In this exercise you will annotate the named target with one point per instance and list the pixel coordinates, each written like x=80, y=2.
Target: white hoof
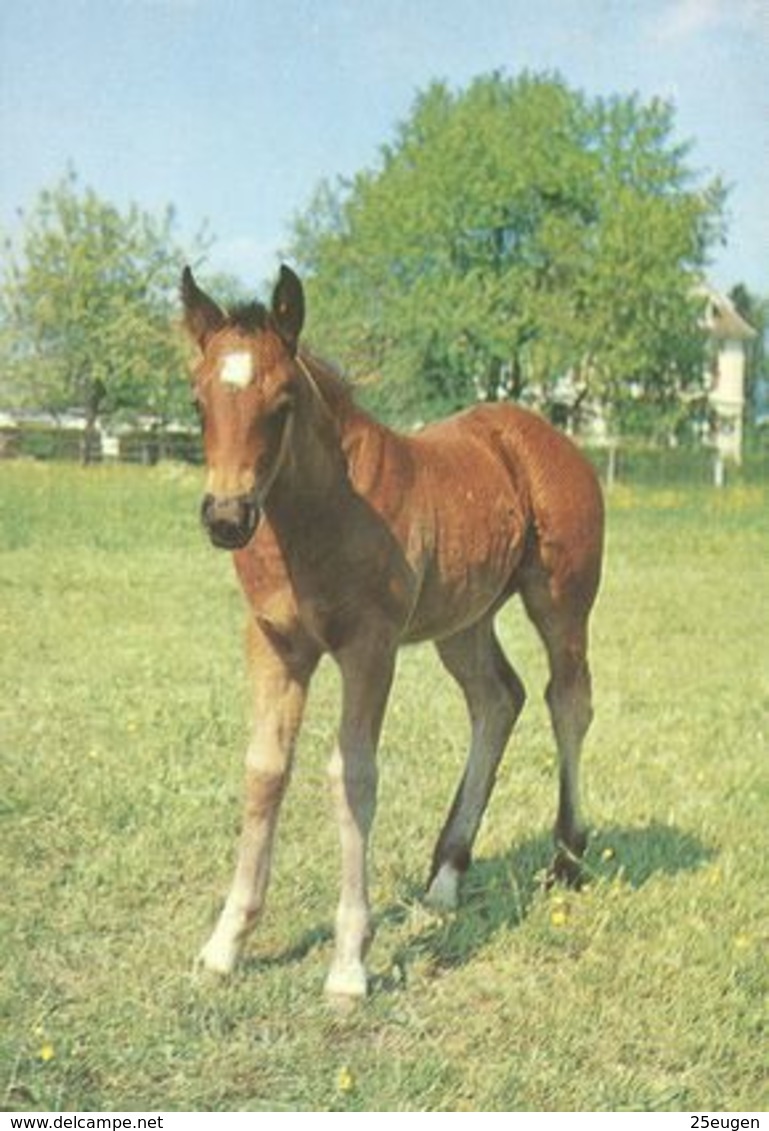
x=347, y=981
x=217, y=958
x=443, y=893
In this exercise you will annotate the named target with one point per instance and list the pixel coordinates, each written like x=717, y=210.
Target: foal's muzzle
x=230, y=522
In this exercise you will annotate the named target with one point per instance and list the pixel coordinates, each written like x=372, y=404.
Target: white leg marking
x=347, y=978
x=367, y=676
x=354, y=799
x=220, y=953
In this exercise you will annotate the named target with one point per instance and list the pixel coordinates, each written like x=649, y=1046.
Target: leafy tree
x=513, y=232
x=643, y=338
x=88, y=302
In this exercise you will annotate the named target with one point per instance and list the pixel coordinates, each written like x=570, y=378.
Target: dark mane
x=337, y=392
x=248, y=317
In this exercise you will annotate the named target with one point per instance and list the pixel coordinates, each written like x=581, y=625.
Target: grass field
x=123, y=720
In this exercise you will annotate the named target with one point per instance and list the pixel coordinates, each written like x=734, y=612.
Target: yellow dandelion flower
x=559, y=914
x=607, y=854
x=344, y=1080
x=47, y=1052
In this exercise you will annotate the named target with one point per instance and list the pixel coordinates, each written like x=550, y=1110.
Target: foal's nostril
x=230, y=522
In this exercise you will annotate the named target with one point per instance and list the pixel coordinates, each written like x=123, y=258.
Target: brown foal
x=351, y=539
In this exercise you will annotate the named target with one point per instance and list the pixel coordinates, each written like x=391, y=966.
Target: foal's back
x=480, y=503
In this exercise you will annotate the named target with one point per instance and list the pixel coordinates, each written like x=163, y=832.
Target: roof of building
x=722, y=318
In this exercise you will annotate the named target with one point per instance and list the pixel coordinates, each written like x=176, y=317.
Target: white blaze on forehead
x=237, y=369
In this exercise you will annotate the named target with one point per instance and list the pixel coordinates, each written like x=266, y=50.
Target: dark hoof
x=566, y=868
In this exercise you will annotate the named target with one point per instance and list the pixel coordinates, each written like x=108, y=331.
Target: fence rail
x=625, y=463
x=48, y=442
x=665, y=466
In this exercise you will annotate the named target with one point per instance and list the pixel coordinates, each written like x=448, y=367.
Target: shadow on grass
x=497, y=893
x=640, y=853
x=312, y=938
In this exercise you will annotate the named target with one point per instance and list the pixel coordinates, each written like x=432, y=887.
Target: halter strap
x=279, y=461
x=310, y=379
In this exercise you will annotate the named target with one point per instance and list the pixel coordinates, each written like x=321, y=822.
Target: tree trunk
x=89, y=444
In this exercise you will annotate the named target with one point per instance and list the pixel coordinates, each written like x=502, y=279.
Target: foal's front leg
x=367, y=673
x=280, y=682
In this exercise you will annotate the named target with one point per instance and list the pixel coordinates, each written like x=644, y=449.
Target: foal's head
x=246, y=382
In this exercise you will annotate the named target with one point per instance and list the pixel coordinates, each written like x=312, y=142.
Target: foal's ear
x=202, y=316
x=288, y=307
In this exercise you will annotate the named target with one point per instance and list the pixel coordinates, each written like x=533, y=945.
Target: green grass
x=123, y=718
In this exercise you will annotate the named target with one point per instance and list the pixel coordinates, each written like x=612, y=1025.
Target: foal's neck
x=314, y=477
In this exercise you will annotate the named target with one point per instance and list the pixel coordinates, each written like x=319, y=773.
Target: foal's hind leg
x=562, y=624
x=280, y=675
x=495, y=697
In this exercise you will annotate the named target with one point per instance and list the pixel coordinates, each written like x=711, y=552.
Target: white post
x=611, y=465
x=719, y=469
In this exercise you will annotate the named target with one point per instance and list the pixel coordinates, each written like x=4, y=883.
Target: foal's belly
x=463, y=580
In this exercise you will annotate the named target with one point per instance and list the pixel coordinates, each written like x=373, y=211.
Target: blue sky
x=233, y=110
